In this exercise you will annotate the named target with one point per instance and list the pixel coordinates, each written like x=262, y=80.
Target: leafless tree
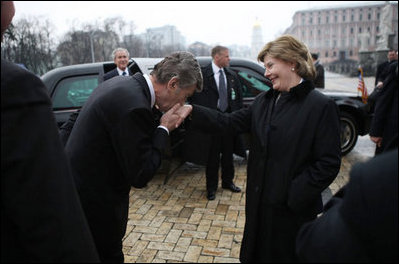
x=29, y=41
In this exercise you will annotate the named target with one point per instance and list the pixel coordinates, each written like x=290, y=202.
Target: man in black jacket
x=384, y=125
x=319, y=80
x=383, y=68
x=121, y=60
x=116, y=142
x=41, y=216
x=222, y=91
x=360, y=222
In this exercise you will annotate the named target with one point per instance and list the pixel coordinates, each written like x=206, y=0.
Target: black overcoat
x=197, y=144
x=360, y=222
x=294, y=153
x=41, y=216
x=115, y=144
x=385, y=120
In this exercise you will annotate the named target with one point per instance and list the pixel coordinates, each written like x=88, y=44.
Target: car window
x=252, y=83
x=74, y=92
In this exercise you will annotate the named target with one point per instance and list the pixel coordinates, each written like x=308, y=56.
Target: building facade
x=338, y=34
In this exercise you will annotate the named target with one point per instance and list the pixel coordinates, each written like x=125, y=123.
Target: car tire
x=349, y=133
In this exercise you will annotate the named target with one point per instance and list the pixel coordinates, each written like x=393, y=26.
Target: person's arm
x=139, y=146
x=212, y=121
x=323, y=164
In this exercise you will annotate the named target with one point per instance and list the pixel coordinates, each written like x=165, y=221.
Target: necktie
x=222, y=92
x=123, y=73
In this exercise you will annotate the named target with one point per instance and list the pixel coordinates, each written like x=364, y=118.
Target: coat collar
x=299, y=91
x=143, y=83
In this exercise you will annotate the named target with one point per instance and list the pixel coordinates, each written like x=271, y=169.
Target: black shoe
x=231, y=187
x=211, y=195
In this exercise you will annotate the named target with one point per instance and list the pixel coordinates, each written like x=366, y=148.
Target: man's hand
x=175, y=116
x=380, y=84
x=376, y=140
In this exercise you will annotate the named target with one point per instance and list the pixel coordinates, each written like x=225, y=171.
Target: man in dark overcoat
x=116, y=142
x=384, y=125
x=212, y=150
x=41, y=216
x=121, y=60
x=360, y=222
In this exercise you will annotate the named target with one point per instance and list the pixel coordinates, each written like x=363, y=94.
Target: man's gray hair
x=118, y=50
x=181, y=65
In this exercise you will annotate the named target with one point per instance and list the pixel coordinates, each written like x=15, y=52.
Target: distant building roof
x=348, y=5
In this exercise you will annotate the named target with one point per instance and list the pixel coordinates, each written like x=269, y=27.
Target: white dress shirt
x=120, y=71
x=152, y=92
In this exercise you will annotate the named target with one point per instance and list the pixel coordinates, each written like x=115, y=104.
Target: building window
x=352, y=17
x=378, y=16
x=343, y=18
x=360, y=17
x=319, y=20
x=369, y=16
x=334, y=54
x=327, y=19
x=368, y=29
x=351, y=30
x=377, y=29
x=326, y=55
x=351, y=53
x=360, y=30
x=335, y=18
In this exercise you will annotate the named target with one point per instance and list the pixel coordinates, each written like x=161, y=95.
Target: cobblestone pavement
x=174, y=222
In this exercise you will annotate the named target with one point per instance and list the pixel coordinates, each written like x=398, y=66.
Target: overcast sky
x=212, y=22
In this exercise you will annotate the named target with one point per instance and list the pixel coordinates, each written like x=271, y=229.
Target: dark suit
x=385, y=120
x=289, y=164
x=319, y=80
x=383, y=71
x=214, y=145
x=66, y=128
x=114, y=145
x=114, y=73
x=41, y=217
x=360, y=222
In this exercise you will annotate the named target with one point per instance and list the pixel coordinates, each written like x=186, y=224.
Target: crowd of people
x=65, y=196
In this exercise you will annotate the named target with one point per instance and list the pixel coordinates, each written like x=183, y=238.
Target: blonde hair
x=290, y=49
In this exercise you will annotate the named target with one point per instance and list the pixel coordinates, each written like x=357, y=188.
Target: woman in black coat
x=294, y=153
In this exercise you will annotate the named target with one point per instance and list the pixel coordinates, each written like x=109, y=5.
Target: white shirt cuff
x=167, y=130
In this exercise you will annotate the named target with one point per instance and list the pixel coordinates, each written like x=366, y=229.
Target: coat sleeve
x=139, y=146
x=324, y=163
x=212, y=121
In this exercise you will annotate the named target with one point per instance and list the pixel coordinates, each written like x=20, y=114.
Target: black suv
x=70, y=86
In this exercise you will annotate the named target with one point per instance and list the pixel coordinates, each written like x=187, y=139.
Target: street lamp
x=91, y=46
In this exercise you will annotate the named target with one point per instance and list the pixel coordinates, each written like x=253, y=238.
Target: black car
x=69, y=87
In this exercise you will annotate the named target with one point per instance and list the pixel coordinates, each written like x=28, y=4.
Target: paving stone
x=176, y=223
